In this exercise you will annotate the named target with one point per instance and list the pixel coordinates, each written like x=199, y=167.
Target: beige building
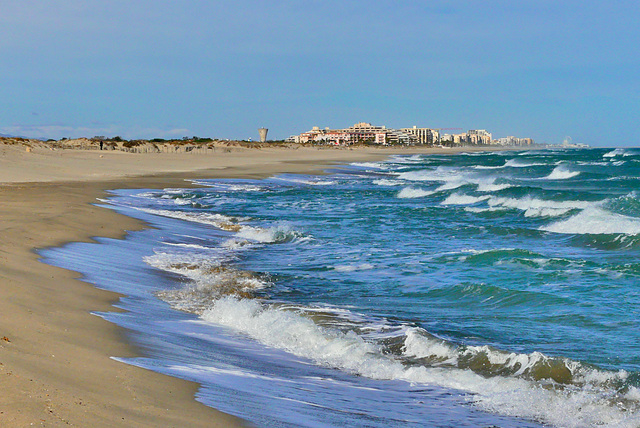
x=359, y=133
x=478, y=137
x=423, y=135
x=473, y=137
x=513, y=141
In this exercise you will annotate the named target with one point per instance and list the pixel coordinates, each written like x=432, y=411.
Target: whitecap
x=488, y=167
x=453, y=178
x=596, y=221
x=412, y=192
x=386, y=182
x=534, y=207
x=489, y=185
x=518, y=163
x=460, y=199
x=614, y=153
x=562, y=172
x=484, y=210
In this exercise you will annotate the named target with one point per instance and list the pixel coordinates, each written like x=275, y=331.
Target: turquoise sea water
x=471, y=289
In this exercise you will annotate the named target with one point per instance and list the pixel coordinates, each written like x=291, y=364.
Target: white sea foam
x=614, y=153
x=418, y=346
x=183, y=245
x=280, y=233
x=235, y=244
x=376, y=165
x=386, y=182
x=488, y=167
x=483, y=210
x=353, y=268
x=593, y=163
x=518, y=163
x=530, y=152
x=277, y=233
x=196, y=217
x=460, y=199
x=182, y=201
x=317, y=182
x=440, y=174
x=146, y=195
x=596, y=220
x=562, y=172
x=532, y=207
x=287, y=330
x=412, y=192
x=404, y=159
x=453, y=178
x=452, y=184
x=232, y=187
x=209, y=277
x=489, y=185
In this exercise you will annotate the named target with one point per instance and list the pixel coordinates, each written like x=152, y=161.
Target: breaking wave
x=453, y=178
x=386, y=182
x=532, y=207
x=279, y=233
x=614, y=153
x=532, y=385
x=562, y=172
x=518, y=163
x=460, y=199
x=219, y=220
x=596, y=221
x=412, y=192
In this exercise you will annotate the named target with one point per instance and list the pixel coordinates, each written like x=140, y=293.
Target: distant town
x=366, y=133
x=360, y=134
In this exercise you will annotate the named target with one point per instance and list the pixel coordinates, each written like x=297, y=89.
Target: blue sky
x=143, y=69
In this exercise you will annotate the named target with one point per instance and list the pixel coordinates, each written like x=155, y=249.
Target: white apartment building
x=423, y=135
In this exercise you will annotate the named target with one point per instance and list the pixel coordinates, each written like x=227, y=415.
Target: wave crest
x=412, y=192
x=562, y=172
x=596, y=221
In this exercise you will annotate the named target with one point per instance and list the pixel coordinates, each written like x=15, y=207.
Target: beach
x=55, y=355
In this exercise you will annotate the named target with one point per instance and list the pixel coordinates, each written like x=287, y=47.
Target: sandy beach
x=55, y=354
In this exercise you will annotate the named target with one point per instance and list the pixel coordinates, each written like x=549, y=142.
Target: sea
x=480, y=289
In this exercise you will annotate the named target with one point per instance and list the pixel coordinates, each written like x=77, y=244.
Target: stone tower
x=263, y=134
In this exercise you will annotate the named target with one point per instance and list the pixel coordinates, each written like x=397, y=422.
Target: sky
x=222, y=69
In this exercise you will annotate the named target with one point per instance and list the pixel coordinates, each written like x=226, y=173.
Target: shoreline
x=55, y=355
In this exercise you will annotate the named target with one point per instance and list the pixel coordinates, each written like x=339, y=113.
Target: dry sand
x=55, y=365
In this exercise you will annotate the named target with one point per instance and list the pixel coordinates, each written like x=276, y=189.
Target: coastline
x=55, y=363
